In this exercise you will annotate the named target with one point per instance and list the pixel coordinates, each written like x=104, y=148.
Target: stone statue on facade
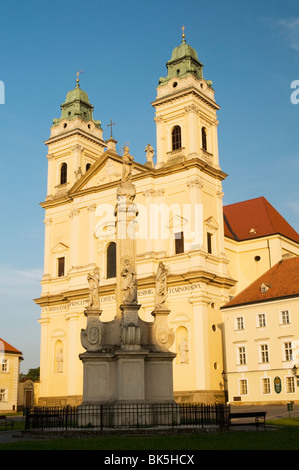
x=161, y=285
x=127, y=166
x=94, y=296
x=129, y=283
x=149, y=156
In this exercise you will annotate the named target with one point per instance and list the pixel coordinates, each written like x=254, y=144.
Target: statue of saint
x=149, y=155
x=129, y=283
x=59, y=361
x=94, y=282
x=161, y=285
x=183, y=350
x=127, y=166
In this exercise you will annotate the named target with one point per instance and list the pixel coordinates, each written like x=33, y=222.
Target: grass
x=284, y=437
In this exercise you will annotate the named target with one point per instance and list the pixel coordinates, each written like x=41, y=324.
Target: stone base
x=126, y=376
x=200, y=396
x=128, y=415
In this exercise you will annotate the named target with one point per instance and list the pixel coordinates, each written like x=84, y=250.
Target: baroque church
x=212, y=252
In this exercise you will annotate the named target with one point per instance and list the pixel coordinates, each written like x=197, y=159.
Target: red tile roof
x=8, y=348
x=281, y=281
x=255, y=218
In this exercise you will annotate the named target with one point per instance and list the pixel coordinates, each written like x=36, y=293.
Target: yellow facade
x=261, y=350
x=9, y=376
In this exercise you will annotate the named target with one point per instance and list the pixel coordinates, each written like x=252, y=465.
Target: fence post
x=66, y=417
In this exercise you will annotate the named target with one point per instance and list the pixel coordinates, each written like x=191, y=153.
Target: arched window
x=63, y=173
x=88, y=165
x=204, y=138
x=111, y=260
x=176, y=138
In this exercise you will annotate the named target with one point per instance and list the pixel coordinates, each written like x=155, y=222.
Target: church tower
x=185, y=111
x=75, y=143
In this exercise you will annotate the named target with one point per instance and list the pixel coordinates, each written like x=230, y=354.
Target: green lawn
x=285, y=437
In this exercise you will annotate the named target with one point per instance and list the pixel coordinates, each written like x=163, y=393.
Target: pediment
x=107, y=170
x=59, y=248
x=177, y=223
x=211, y=223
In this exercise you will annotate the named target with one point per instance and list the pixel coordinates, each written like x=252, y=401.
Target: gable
x=107, y=170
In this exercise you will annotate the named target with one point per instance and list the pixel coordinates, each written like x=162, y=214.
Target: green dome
x=184, y=61
x=76, y=106
x=184, y=50
x=76, y=94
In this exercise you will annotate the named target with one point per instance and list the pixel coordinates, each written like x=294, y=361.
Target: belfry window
x=111, y=260
x=204, y=138
x=176, y=138
x=63, y=173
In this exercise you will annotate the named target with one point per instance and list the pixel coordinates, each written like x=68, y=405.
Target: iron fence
x=105, y=416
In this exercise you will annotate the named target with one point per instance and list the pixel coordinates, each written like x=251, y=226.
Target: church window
x=111, y=260
x=63, y=173
x=61, y=266
x=204, y=138
x=179, y=242
x=88, y=165
x=209, y=242
x=176, y=138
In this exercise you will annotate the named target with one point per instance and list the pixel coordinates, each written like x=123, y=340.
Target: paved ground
x=273, y=412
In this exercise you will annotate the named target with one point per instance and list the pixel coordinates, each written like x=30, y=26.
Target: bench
x=259, y=418
x=6, y=421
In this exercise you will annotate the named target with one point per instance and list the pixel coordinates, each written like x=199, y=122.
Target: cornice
x=181, y=93
x=75, y=131
x=200, y=276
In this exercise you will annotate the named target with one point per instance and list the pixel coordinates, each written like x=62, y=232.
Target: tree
x=32, y=374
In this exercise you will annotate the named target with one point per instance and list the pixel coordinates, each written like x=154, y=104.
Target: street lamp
x=294, y=371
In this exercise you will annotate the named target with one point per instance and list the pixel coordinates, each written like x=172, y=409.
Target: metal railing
x=105, y=416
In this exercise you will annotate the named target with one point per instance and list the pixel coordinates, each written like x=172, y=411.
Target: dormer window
x=176, y=138
x=264, y=288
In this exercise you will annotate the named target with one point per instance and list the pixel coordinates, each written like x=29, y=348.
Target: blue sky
x=250, y=50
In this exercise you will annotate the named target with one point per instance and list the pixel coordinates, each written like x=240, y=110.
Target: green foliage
x=32, y=374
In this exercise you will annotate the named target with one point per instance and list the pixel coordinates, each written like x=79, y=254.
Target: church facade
x=180, y=222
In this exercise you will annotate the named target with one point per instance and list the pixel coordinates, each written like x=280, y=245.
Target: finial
x=77, y=81
x=183, y=35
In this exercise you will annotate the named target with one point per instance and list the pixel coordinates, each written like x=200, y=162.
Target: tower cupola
x=184, y=61
x=77, y=106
